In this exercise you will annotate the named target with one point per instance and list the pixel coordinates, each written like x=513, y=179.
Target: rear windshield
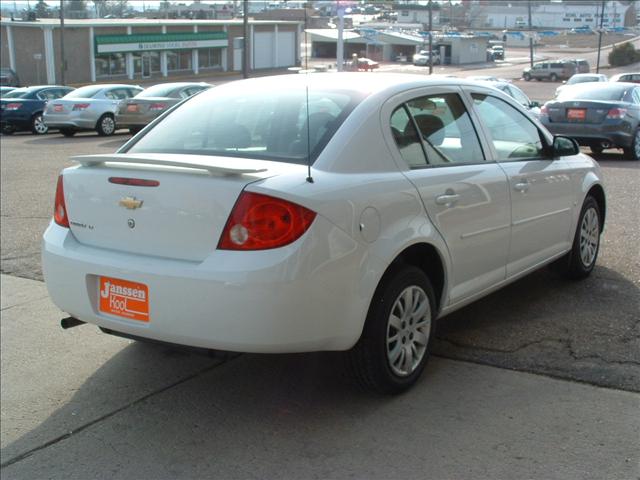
x=84, y=92
x=18, y=93
x=594, y=92
x=158, y=91
x=573, y=80
x=272, y=124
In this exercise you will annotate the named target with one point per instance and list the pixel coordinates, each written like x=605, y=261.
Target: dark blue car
x=21, y=109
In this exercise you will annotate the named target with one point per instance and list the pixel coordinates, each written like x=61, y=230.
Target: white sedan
x=320, y=212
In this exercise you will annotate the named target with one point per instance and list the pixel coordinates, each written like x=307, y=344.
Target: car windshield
x=158, y=91
x=594, y=92
x=84, y=92
x=17, y=93
x=282, y=124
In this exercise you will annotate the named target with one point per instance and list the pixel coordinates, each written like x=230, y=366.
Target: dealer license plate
x=576, y=114
x=123, y=298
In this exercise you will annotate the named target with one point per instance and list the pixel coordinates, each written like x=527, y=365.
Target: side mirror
x=534, y=104
x=564, y=147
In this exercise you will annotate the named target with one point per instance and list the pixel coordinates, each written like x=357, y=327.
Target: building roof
x=331, y=34
x=135, y=22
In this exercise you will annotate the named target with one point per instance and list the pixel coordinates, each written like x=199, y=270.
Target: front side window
x=286, y=125
x=513, y=135
x=443, y=127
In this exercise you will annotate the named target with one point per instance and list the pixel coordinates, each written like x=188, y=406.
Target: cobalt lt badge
x=131, y=222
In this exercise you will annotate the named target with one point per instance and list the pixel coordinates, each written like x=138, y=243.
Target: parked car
x=582, y=66
x=554, y=71
x=626, y=77
x=422, y=58
x=5, y=90
x=599, y=115
x=21, y=109
x=367, y=64
x=9, y=78
x=320, y=224
x=582, y=78
x=140, y=110
x=498, y=52
x=88, y=108
x=517, y=94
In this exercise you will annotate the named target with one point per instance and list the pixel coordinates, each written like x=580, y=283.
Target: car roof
x=364, y=83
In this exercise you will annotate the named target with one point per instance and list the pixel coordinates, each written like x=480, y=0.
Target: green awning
x=159, y=41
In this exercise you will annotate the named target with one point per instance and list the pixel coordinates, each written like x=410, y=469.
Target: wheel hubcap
x=108, y=125
x=589, y=237
x=408, y=330
x=636, y=145
x=39, y=125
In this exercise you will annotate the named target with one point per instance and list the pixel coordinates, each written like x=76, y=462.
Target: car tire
x=596, y=149
x=106, y=125
x=378, y=362
x=67, y=132
x=580, y=261
x=38, y=127
x=553, y=77
x=134, y=130
x=633, y=152
x=526, y=77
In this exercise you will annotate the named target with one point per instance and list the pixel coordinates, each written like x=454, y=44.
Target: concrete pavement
x=80, y=404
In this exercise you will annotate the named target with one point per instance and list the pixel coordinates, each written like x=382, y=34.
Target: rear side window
x=287, y=125
x=439, y=127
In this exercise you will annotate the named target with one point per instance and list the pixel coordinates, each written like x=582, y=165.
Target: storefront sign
x=169, y=41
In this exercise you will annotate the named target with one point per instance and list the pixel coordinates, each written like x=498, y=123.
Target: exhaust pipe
x=70, y=322
x=605, y=144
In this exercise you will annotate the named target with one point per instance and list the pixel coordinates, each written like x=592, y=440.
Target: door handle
x=521, y=186
x=447, y=199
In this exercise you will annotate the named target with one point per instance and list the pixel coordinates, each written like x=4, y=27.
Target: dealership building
x=107, y=50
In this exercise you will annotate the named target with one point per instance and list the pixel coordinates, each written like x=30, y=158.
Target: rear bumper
x=73, y=120
x=128, y=121
x=18, y=120
x=284, y=300
x=619, y=134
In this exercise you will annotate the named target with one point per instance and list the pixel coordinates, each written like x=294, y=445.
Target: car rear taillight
x=261, y=222
x=617, y=113
x=157, y=106
x=60, y=209
x=544, y=111
x=13, y=106
x=80, y=106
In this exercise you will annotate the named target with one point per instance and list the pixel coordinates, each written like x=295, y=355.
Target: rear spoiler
x=213, y=165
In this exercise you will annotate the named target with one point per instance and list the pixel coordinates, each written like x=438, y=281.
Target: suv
x=554, y=71
x=582, y=65
x=422, y=58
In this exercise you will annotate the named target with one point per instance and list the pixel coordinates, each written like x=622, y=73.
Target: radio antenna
x=306, y=72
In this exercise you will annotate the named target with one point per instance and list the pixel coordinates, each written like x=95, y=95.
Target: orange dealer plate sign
x=124, y=299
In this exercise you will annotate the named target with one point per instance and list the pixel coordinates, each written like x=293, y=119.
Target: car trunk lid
x=581, y=111
x=181, y=212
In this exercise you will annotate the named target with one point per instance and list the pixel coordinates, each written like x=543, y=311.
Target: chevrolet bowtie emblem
x=130, y=203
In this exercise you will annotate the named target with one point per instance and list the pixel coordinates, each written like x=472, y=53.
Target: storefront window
x=178, y=60
x=110, y=65
x=210, y=57
x=146, y=63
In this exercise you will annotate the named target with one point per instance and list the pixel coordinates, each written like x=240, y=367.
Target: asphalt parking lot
x=88, y=392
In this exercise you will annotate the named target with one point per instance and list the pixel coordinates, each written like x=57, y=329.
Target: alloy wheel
x=408, y=330
x=39, y=126
x=108, y=125
x=636, y=144
x=589, y=237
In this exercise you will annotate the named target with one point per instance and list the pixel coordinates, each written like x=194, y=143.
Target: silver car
x=88, y=108
x=139, y=111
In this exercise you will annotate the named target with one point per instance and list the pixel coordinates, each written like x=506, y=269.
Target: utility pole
x=430, y=38
x=245, y=46
x=340, y=45
x=600, y=37
x=530, y=36
x=63, y=60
